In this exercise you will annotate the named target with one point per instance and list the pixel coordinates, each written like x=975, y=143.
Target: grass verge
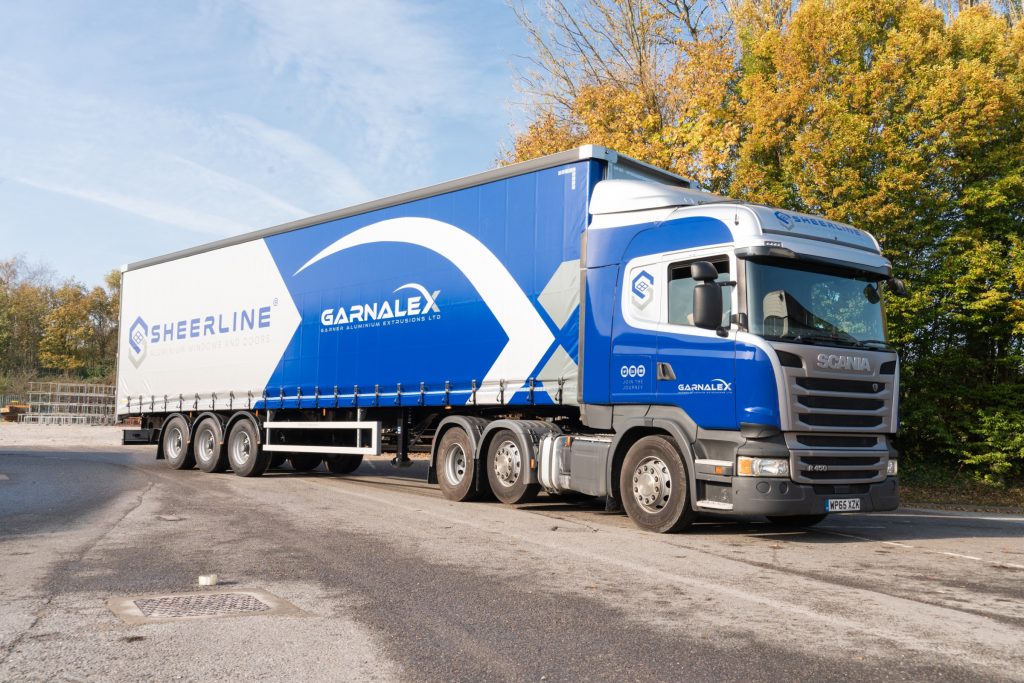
x=950, y=489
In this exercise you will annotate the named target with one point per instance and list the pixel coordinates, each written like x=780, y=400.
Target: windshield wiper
x=836, y=340
x=865, y=342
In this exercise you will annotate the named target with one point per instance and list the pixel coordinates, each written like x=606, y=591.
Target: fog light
x=762, y=467
x=891, y=468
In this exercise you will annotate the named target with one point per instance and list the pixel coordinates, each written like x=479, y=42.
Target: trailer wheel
x=344, y=464
x=797, y=521
x=654, y=486
x=177, y=454
x=456, y=466
x=245, y=454
x=508, y=469
x=304, y=463
x=208, y=448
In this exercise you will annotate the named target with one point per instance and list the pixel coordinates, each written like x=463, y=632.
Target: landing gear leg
x=401, y=458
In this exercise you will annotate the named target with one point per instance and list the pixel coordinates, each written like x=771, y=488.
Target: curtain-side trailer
x=581, y=322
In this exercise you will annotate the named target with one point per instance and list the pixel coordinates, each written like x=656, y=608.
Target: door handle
x=665, y=371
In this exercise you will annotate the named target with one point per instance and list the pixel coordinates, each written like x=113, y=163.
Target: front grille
x=838, y=416
x=835, y=400
x=851, y=386
x=840, y=402
x=830, y=420
x=810, y=467
x=837, y=441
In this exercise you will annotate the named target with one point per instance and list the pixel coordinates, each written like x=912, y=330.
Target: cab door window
x=680, y=292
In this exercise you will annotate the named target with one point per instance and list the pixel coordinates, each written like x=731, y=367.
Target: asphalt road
x=395, y=583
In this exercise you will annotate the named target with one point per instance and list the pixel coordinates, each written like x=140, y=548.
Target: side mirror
x=707, y=305
x=896, y=286
x=703, y=271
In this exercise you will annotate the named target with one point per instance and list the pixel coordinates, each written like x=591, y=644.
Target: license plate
x=842, y=505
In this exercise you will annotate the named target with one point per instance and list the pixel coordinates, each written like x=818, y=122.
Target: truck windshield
x=814, y=304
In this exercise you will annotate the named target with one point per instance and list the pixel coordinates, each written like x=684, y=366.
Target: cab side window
x=680, y=292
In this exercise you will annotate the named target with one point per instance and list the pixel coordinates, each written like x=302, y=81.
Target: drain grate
x=185, y=606
x=210, y=605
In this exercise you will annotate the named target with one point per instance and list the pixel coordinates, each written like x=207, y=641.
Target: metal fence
x=65, y=403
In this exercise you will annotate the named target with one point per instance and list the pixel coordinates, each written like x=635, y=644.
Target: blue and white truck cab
x=755, y=336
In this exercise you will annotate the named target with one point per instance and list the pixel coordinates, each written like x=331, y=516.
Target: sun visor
x=778, y=222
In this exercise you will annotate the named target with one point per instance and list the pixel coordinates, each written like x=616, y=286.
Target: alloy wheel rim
x=242, y=448
x=652, y=484
x=455, y=464
x=508, y=463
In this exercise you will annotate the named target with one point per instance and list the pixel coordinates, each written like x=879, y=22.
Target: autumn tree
x=45, y=329
x=898, y=116
x=80, y=330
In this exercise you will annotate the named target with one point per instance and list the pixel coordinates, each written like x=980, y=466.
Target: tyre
x=797, y=521
x=508, y=468
x=456, y=466
x=343, y=464
x=245, y=454
x=654, y=487
x=174, y=438
x=304, y=462
x=208, y=446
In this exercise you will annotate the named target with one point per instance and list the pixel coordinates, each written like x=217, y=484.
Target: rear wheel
x=797, y=521
x=208, y=447
x=508, y=469
x=305, y=463
x=174, y=439
x=456, y=466
x=245, y=454
x=343, y=464
x=654, y=487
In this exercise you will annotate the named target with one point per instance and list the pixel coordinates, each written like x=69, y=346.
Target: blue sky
x=134, y=129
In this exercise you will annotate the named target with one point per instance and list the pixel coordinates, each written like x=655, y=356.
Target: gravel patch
x=14, y=435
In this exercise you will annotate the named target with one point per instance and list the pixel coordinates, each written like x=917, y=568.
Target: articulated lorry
x=582, y=322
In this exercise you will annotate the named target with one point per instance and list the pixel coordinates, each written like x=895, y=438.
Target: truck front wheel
x=456, y=466
x=508, y=469
x=245, y=454
x=654, y=487
x=175, y=444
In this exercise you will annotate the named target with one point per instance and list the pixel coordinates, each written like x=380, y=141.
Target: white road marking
x=966, y=557
x=994, y=563
x=3, y=477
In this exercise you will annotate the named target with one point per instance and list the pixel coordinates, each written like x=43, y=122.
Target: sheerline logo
x=643, y=289
x=138, y=344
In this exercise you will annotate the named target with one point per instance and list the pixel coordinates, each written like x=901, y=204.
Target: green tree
x=898, y=116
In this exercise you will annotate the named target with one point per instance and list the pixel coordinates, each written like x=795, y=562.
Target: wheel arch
x=244, y=415
x=636, y=430
x=474, y=428
x=218, y=420
x=529, y=431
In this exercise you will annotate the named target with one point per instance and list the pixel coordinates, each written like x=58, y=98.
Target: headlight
x=892, y=467
x=762, y=467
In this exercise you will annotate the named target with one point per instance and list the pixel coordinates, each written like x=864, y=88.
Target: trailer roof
x=624, y=167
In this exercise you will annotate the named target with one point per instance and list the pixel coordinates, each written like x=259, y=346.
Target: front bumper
x=783, y=497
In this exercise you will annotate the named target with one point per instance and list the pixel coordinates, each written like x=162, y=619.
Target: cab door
x=695, y=368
